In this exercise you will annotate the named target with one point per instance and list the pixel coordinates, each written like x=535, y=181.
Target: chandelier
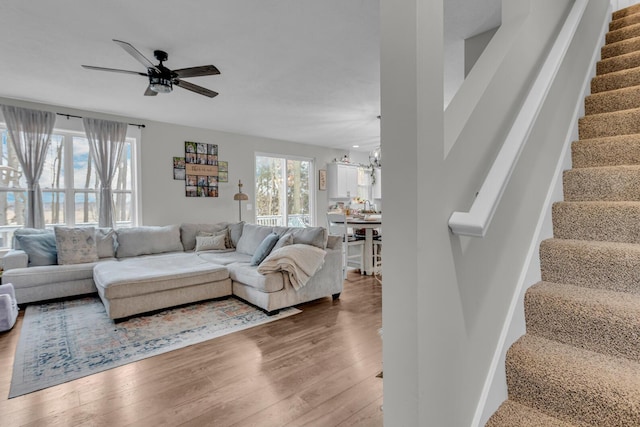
x=375, y=157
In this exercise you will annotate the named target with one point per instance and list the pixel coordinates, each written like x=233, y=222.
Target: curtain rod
x=68, y=116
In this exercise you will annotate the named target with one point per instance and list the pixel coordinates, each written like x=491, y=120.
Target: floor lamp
x=240, y=196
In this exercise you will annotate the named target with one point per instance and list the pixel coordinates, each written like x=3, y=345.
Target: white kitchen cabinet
x=342, y=181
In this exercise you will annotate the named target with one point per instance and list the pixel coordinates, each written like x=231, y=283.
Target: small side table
x=8, y=307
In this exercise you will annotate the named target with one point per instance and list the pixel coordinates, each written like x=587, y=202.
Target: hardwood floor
x=317, y=368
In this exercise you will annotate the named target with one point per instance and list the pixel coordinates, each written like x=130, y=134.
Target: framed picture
x=223, y=171
x=322, y=179
x=179, y=168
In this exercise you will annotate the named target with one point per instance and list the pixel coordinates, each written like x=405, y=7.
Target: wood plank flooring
x=317, y=368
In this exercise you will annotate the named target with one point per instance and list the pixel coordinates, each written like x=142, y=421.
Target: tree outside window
x=68, y=198
x=284, y=191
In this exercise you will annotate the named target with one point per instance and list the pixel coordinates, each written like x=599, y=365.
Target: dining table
x=369, y=223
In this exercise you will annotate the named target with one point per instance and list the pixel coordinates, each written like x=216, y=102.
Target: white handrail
x=476, y=222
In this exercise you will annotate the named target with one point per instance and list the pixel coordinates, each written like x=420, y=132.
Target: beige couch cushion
x=148, y=240
x=145, y=275
x=188, y=232
x=248, y=274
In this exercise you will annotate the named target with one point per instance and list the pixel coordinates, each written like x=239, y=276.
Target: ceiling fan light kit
x=161, y=78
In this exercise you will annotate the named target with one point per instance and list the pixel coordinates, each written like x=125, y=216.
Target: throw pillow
x=105, y=242
x=224, y=233
x=264, y=248
x=41, y=248
x=285, y=240
x=235, y=232
x=76, y=245
x=28, y=231
x=208, y=243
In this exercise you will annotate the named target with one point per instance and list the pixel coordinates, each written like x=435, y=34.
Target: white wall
x=454, y=68
x=446, y=298
x=621, y=4
x=163, y=198
x=474, y=46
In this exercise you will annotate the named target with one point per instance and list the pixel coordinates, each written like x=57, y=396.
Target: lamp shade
x=240, y=196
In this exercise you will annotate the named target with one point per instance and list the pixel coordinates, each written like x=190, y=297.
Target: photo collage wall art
x=201, y=169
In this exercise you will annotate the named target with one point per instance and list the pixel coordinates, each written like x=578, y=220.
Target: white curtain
x=30, y=131
x=106, y=141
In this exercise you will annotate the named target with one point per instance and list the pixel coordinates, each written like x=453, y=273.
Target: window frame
x=69, y=129
x=284, y=205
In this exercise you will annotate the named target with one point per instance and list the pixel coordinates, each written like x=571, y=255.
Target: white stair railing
x=476, y=222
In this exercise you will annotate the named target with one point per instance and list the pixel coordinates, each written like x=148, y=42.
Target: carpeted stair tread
x=604, y=221
x=620, y=48
x=630, y=10
x=512, y=414
x=591, y=264
x=618, y=63
x=579, y=362
x=625, y=21
x=572, y=384
x=607, y=151
x=626, y=122
x=614, y=100
x=592, y=319
x=616, y=80
x=624, y=33
x=614, y=183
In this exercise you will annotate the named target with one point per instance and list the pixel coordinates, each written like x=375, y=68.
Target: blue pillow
x=264, y=248
x=41, y=248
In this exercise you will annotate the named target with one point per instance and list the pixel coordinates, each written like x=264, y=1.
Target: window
x=284, y=191
x=69, y=185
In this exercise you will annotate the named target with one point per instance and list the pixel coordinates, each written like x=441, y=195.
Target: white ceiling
x=298, y=70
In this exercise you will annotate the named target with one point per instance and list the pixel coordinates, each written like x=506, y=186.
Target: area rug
x=66, y=340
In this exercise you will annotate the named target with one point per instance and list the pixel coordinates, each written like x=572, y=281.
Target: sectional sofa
x=142, y=269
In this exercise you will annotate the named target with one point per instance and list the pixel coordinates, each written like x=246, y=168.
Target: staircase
x=579, y=362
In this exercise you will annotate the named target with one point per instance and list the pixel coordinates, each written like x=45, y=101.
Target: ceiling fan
x=162, y=79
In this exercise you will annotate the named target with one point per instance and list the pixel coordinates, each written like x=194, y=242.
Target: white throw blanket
x=298, y=260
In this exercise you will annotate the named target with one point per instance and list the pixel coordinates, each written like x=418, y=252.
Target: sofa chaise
x=143, y=269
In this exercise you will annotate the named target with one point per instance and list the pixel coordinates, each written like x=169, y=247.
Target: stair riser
x=615, y=222
x=589, y=324
x=624, y=22
x=607, y=102
x=591, y=266
x=618, y=63
x=618, y=80
x=620, y=48
x=606, y=152
x=612, y=183
x=622, y=34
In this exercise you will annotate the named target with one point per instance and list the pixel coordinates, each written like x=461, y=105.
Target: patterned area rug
x=66, y=340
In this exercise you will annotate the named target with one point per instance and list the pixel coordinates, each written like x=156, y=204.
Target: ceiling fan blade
x=91, y=67
x=150, y=92
x=195, y=88
x=136, y=54
x=203, y=70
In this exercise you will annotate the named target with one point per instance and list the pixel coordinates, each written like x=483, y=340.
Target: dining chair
x=337, y=225
x=377, y=258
